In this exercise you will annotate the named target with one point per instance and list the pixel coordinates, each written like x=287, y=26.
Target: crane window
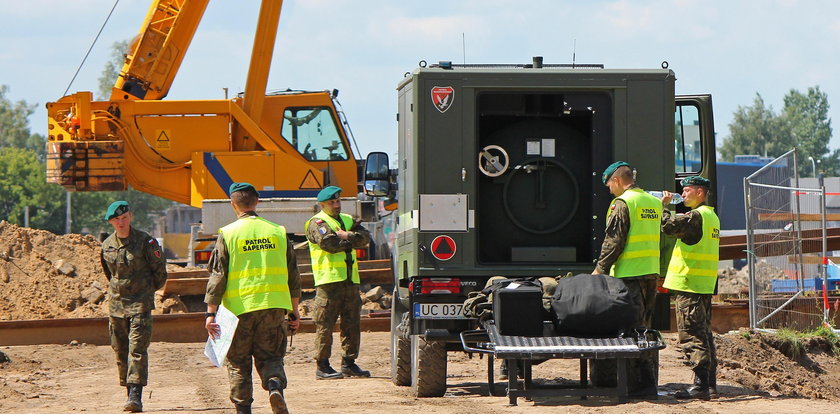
x=687, y=149
x=313, y=133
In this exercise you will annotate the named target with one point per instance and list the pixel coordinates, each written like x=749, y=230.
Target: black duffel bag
x=593, y=305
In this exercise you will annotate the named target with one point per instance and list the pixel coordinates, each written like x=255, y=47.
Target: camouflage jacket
x=320, y=233
x=218, y=267
x=135, y=268
x=615, y=237
x=687, y=227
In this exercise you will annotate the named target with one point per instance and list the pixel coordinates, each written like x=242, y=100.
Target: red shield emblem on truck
x=442, y=97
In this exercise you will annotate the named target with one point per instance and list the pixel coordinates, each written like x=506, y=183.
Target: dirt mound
x=733, y=281
x=758, y=361
x=46, y=276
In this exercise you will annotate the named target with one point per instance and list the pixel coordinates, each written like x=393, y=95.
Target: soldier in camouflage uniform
x=135, y=267
x=692, y=280
x=640, y=279
x=254, y=274
x=333, y=238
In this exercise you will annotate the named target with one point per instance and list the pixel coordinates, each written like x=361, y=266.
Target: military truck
x=499, y=173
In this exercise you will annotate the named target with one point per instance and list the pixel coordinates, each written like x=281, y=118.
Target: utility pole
x=69, y=218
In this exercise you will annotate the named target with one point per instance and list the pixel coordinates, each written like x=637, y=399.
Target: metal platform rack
x=526, y=350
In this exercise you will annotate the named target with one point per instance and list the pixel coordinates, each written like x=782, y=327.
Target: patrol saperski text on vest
x=258, y=244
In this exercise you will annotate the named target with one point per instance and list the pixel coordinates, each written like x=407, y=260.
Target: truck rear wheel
x=428, y=367
x=400, y=346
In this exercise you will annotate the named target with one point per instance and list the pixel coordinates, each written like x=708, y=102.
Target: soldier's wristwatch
x=209, y=314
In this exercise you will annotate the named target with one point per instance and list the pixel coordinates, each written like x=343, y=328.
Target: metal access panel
x=443, y=212
x=525, y=147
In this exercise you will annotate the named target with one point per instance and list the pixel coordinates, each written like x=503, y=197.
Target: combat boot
x=135, y=393
x=713, y=392
x=700, y=389
x=243, y=409
x=325, y=371
x=350, y=369
x=275, y=397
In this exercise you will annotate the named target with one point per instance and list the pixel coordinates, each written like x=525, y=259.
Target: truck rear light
x=440, y=285
x=202, y=256
x=361, y=254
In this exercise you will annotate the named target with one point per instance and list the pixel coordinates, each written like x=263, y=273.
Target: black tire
x=428, y=367
x=400, y=347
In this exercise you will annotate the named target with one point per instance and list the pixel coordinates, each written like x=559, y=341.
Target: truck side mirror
x=377, y=175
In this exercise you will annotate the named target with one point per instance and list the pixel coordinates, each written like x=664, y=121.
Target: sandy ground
x=82, y=378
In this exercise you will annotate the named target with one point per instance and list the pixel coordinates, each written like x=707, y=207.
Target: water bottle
x=676, y=198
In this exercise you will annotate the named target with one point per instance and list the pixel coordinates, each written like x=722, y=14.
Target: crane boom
x=156, y=54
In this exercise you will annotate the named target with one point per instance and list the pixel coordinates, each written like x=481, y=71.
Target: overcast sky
x=731, y=49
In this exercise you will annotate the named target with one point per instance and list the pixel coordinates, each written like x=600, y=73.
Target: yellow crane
x=288, y=144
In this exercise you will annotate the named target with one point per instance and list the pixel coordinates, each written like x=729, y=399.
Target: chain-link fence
x=786, y=242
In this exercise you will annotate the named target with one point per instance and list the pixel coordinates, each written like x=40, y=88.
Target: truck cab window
x=687, y=142
x=313, y=133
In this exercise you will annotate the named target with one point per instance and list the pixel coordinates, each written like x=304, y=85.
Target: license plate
x=439, y=311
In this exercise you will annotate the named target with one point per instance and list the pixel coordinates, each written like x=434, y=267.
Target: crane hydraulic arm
x=288, y=144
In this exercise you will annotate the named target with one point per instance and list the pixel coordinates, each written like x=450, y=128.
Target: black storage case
x=518, y=311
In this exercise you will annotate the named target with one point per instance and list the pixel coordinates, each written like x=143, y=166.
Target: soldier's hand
x=294, y=322
x=343, y=235
x=666, y=197
x=212, y=327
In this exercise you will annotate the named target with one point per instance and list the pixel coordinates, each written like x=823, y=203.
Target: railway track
x=189, y=327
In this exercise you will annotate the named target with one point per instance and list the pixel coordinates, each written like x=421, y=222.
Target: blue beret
x=611, y=169
x=240, y=187
x=696, y=180
x=117, y=208
x=329, y=193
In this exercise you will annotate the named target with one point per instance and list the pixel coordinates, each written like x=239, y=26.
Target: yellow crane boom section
x=288, y=144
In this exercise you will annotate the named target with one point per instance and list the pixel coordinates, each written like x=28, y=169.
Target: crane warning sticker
x=442, y=97
x=443, y=248
x=310, y=182
x=162, y=139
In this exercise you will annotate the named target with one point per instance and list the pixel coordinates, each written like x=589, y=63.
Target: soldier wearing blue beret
x=333, y=239
x=135, y=267
x=692, y=280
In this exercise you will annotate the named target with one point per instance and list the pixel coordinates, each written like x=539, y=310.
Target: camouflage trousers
x=642, y=372
x=262, y=335
x=130, y=338
x=694, y=326
x=334, y=300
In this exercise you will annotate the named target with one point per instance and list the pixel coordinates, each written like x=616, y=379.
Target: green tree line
x=803, y=123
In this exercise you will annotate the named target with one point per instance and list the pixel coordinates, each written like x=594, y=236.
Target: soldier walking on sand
x=333, y=237
x=255, y=276
x=692, y=280
x=135, y=268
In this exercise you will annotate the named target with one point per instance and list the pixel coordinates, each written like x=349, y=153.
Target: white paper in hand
x=216, y=348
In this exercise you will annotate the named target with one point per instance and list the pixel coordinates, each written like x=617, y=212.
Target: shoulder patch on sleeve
x=322, y=230
x=319, y=221
x=612, y=207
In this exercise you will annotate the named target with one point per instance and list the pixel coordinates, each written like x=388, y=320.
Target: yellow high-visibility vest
x=641, y=253
x=331, y=267
x=258, y=274
x=694, y=268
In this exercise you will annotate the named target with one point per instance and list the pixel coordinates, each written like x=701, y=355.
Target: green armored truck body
x=498, y=174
